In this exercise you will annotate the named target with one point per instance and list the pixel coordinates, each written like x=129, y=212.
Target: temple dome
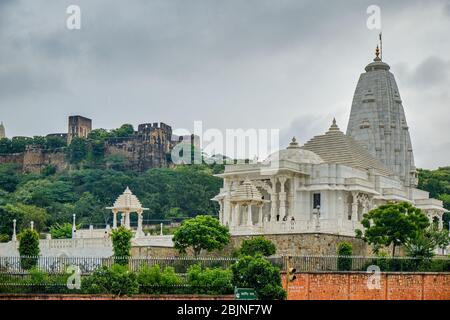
x=127, y=201
x=247, y=191
x=295, y=154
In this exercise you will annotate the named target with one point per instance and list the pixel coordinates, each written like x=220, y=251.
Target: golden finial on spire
x=377, y=54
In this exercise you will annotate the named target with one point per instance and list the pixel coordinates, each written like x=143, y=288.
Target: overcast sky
x=286, y=64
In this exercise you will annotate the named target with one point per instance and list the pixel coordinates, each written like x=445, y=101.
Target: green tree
x=28, y=248
x=437, y=183
x=24, y=214
x=259, y=274
x=45, y=192
x=9, y=177
x=420, y=245
x=61, y=231
x=99, y=134
x=258, y=245
x=125, y=130
x=441, y=238
x=53, y=143
x=78, y=150
x=344, y=251
x=89, y=210
x=121, y=238
x=19, y=144
x=201, y=232
x=392, y=224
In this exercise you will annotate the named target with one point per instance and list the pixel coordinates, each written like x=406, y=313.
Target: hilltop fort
x=148, y=147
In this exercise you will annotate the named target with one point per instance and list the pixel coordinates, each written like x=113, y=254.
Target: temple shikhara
x=327, y=184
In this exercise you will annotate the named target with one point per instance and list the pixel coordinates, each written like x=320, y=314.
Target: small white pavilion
x=128, y=203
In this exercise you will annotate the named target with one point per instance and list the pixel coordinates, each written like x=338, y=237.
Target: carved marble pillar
x=114, y=219
x=355, y=206
x=237, y=215
x=273, y=199
x=140, y=231
x=249, y=215
x=231, y=215
x=260, y=215
x=273, y=206
x=122, y=219
x=127, y=220
x=441, y=223
x=282, y=197
x=227, y=206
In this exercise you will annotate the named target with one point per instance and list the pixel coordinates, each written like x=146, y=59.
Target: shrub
x=344, y=251
x=157, y=281
x=258, y=245
x=117, y=280
x=28, y=249
x=259, y=274
x=121, y=238
x=210, y=280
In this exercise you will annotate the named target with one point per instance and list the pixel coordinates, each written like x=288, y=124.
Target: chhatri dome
x=378, y=122
x=295, y=154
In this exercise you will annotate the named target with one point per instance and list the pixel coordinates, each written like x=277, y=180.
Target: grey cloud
x=286, y=64
x=431, y=72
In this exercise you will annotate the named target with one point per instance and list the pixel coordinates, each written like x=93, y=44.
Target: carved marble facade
x=306, y=194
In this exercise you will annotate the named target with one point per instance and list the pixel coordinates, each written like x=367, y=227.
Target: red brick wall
x=353, y=286
x=110, y=297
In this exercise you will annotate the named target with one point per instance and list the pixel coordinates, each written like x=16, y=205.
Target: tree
x=23, y=214
x=258, y=245
x=61, y=231
x=99, y=134
x=121, y=238
x=89, y=210
x=259, y=274
x=53, y=143
x=77, y=150
x=45, y=192
x=421, y=245
x=392, y=224
x=344, y=251
x=28, y=248
x=9, y=177
x=201, y=232
x=125, y=130
x=437, y=183
x=441, y=239
x=19, y=144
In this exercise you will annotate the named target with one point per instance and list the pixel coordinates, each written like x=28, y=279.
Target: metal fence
x=360, y=263
x=87, y=265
